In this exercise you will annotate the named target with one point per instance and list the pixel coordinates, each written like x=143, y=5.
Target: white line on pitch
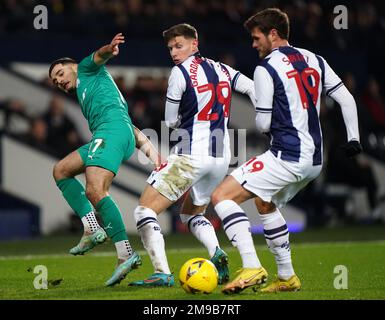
x=178, y=250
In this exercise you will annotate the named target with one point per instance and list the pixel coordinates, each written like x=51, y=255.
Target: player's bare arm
x=109, y=51
x=145, y=145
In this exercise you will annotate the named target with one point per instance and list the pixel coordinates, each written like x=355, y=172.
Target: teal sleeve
x=87, y=65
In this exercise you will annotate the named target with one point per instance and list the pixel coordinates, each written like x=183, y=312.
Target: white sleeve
x=175, y=90
x=171, y=116
x=339, y=93
x=264, y=92
x=263, y=121
x=349, y=111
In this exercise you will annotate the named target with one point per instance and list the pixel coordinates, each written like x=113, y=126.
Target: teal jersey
x=99, y=97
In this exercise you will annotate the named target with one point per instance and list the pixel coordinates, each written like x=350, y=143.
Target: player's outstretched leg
x=152, y=239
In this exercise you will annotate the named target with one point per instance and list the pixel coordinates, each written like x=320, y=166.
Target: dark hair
x=268, y=19
x=63, y=61
x=183, y=29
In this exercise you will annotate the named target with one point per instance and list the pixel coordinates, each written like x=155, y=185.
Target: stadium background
x=39, y=125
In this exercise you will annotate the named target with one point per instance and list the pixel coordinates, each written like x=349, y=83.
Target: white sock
x=124, y=250
x=277, y=238
x=237, y=227
x=203, y=230
x=152, y=238
x=90, y=224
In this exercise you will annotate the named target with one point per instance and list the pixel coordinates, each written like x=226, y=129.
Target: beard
x=267, y=50
x=71, y=91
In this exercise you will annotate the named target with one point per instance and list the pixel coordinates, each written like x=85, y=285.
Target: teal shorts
x=109, y=147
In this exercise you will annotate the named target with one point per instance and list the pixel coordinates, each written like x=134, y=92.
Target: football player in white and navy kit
x=198, y=107
x=288, y=85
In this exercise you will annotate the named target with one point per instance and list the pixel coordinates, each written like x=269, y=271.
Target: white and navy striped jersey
x=199, y=97
x=288, y=84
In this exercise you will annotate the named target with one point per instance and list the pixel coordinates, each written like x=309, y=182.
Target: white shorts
x=275, y=180
x=200, y=173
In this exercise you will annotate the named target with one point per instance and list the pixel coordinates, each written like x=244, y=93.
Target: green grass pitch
x=315, y=256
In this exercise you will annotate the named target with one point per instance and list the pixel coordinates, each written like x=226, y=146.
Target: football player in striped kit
x=288, y=85
x=198, y=107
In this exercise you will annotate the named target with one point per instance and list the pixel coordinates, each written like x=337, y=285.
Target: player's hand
x=160, y=160
x=116, y=41
x=352, y=148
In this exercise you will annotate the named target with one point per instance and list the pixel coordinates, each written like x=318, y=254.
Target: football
x=198, y=275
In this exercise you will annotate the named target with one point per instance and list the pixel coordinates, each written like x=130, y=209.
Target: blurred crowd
x=217, y=18
x=52, y=132
x=217, y=21
x=357, y=49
